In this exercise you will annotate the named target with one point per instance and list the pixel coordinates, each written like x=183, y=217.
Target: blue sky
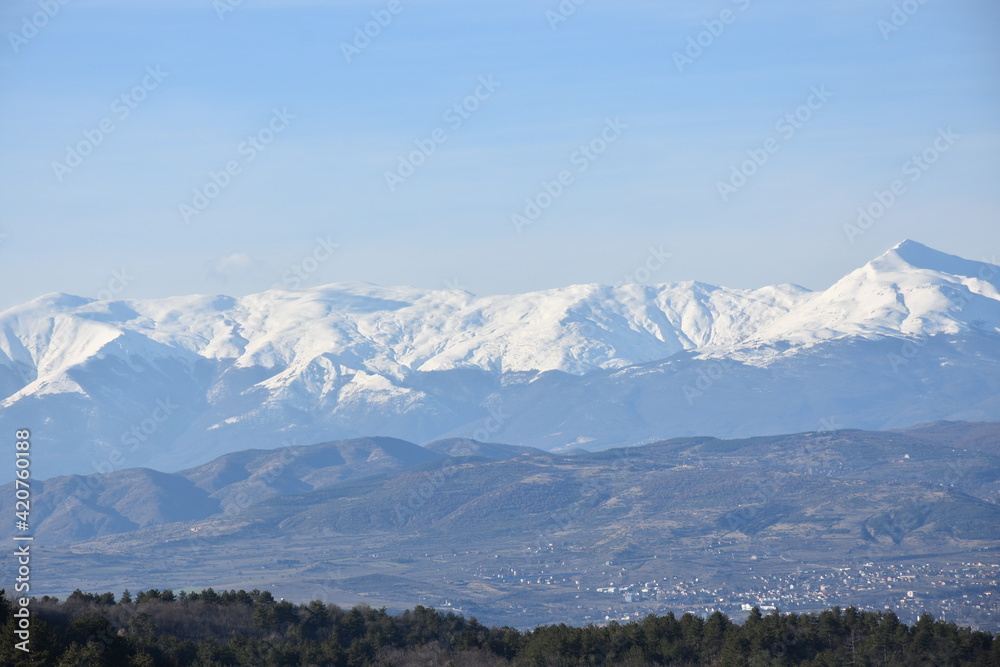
x=113, y=224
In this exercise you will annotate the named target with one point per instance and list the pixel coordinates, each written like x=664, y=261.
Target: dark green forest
x=210, y=628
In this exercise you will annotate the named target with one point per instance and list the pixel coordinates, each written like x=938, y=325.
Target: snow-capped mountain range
x=913, y=335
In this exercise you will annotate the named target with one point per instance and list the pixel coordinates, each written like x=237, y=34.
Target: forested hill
x=253, y=628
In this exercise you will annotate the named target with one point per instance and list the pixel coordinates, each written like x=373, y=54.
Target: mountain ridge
x=538, y=535
x=347, y=360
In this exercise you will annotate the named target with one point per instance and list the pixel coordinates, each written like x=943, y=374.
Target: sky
x=190, y=146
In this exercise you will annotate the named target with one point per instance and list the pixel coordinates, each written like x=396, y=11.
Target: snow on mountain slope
x=391, y=331
x=911, y=290
x=172, y=382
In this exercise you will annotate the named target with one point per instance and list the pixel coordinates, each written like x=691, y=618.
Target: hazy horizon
x=112, y=126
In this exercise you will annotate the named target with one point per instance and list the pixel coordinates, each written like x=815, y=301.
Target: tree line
x=211, y=628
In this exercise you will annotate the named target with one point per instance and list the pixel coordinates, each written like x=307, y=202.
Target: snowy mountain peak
x=910, y=255
x=910, y=290
x=356, y=356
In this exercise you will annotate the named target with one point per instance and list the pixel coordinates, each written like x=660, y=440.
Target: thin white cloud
x=237, y=266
